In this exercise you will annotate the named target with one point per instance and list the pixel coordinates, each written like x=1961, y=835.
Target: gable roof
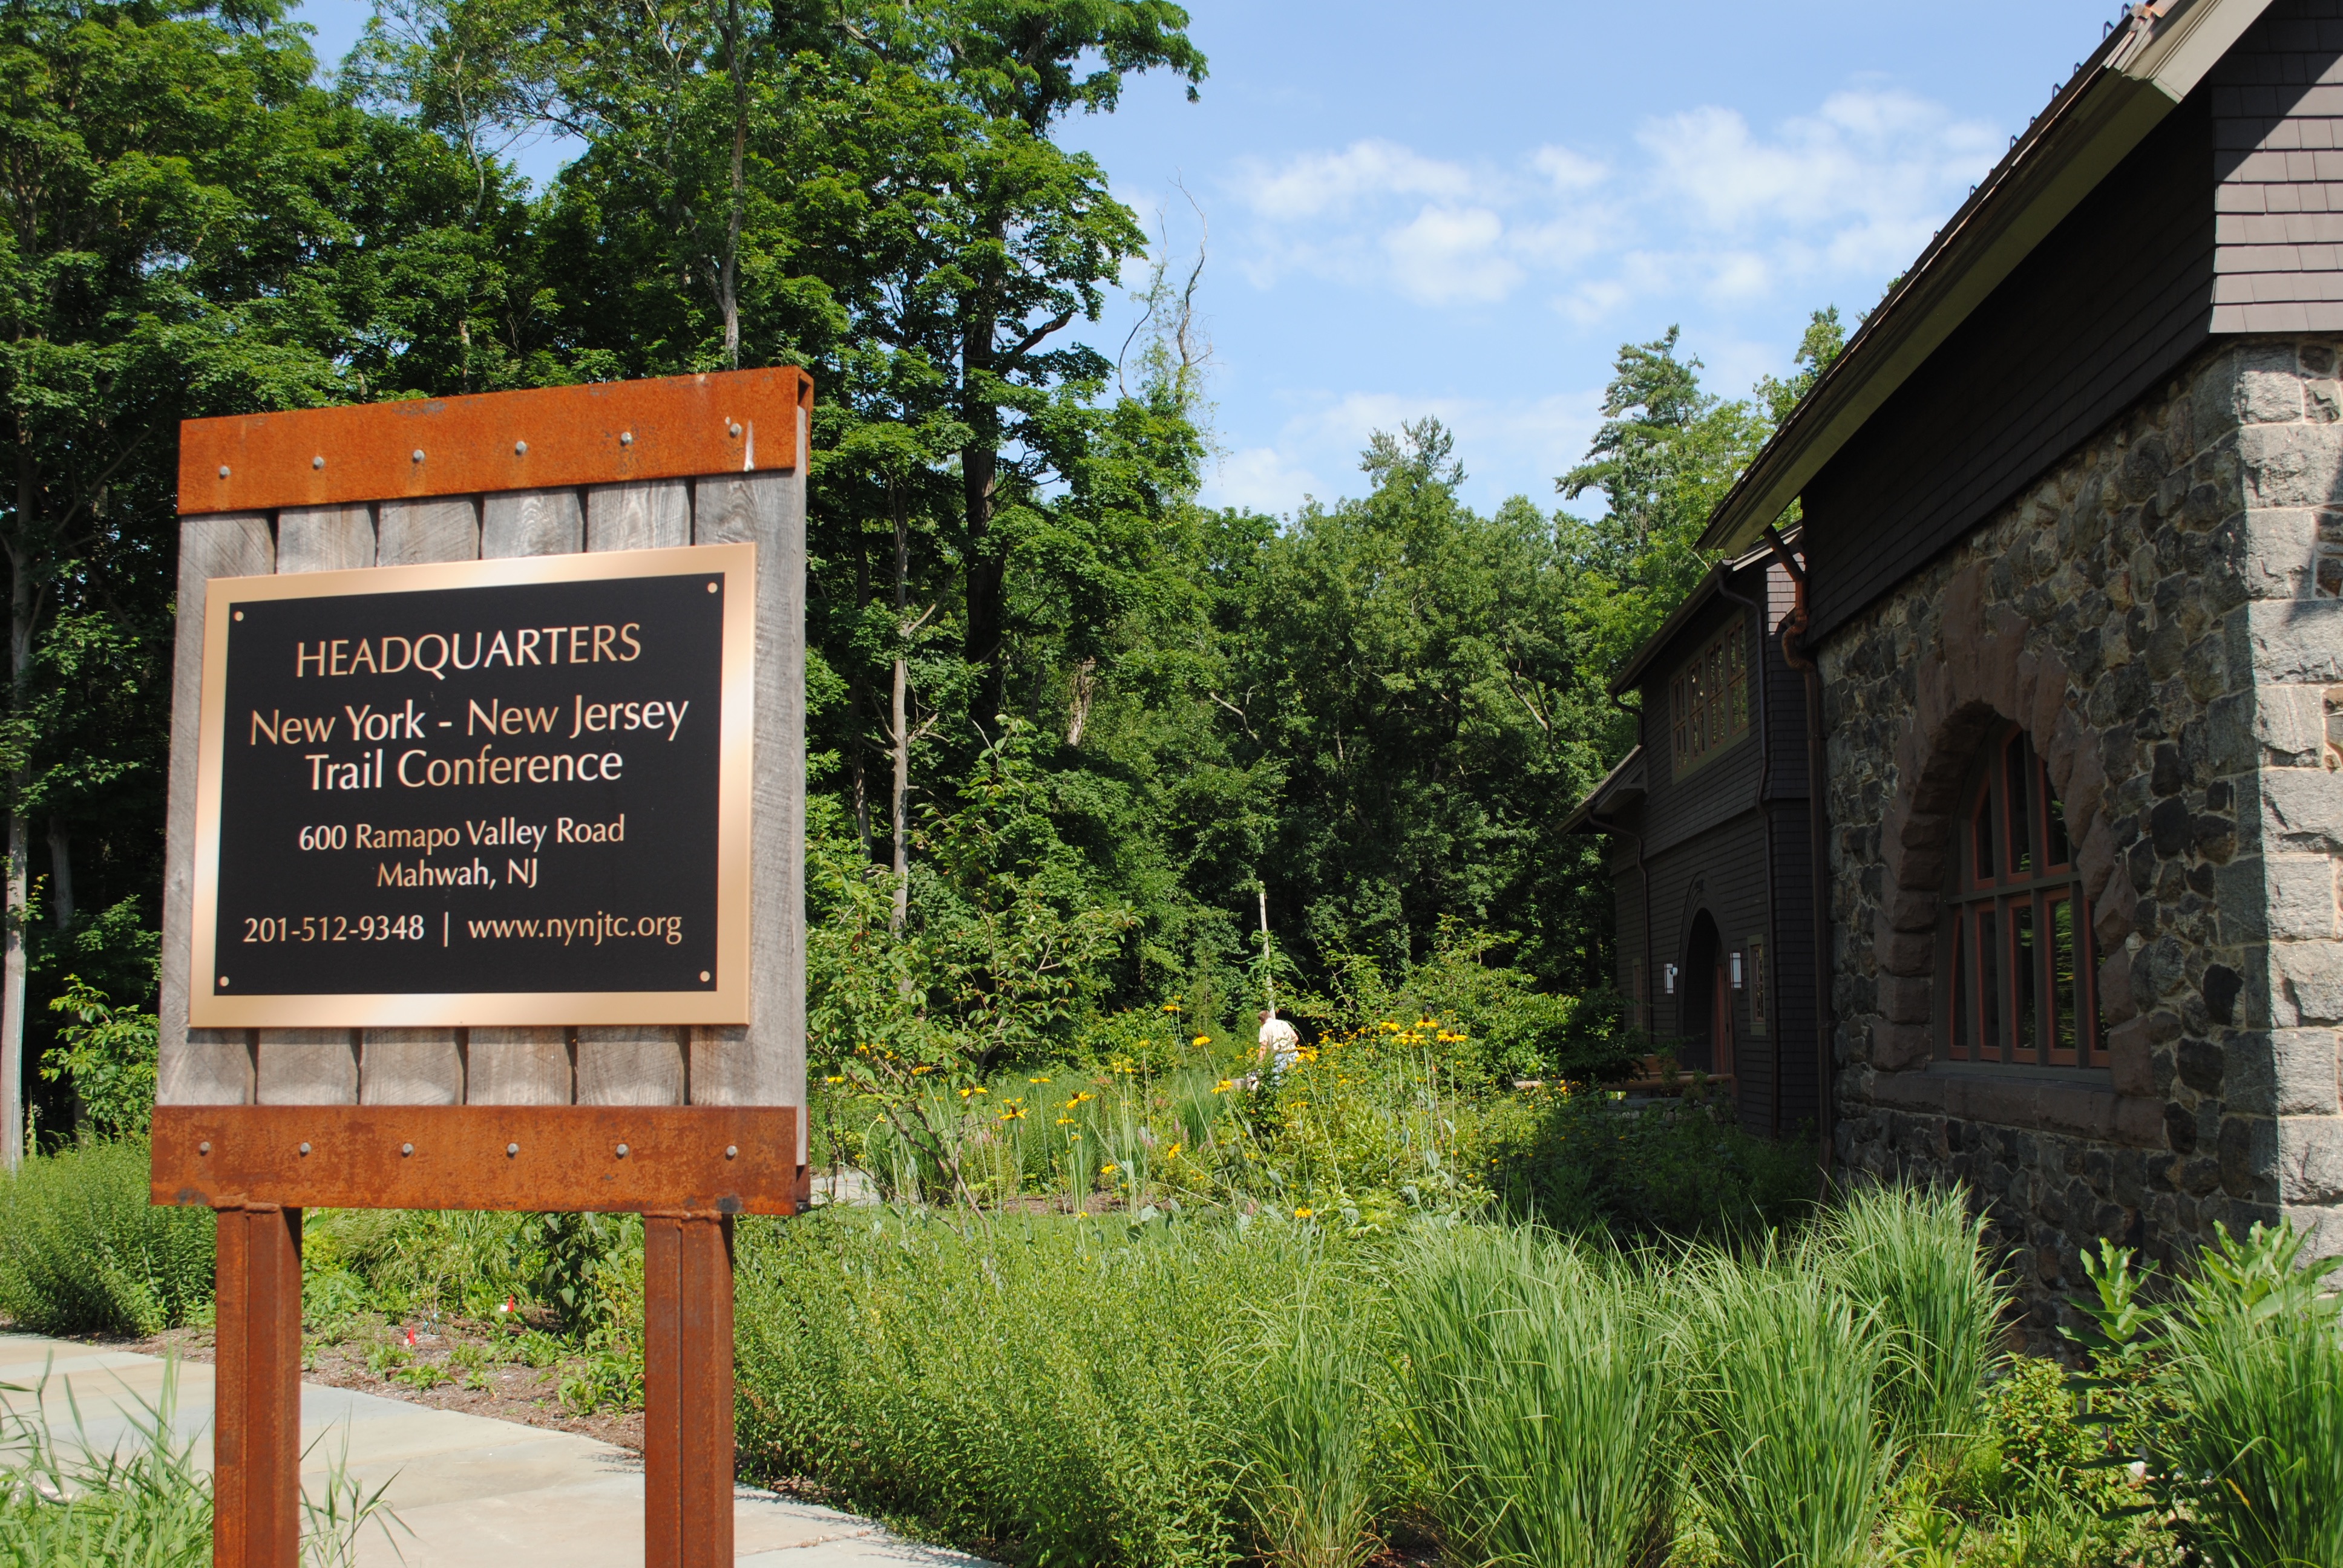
x=1707, y=589
x=2140, y=71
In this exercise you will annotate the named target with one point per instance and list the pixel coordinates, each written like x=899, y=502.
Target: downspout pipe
x=1794, y=631
x=1765, y=822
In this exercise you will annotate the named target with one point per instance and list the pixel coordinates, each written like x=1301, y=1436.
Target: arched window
x=2015, y=945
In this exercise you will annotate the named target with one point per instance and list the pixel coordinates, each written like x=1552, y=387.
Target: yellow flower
x=1109, y=1170
x=1302, y=1213
x=1173, y=1153
x=1171, y=1007
x=839, y=1079
x=1065, y=1122
x=1203, y=1039
x=1224, y=1086
x=1037, y=1080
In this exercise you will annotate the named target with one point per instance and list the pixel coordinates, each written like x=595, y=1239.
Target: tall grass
x=63, y=1505
x=65, y=1502
x=2257, y=1362
x=1787, y=1465
x=83, y=1252
x=1917, y=1259
x=1541, y=1398
x=1031, y=1381
x=1307, y=1473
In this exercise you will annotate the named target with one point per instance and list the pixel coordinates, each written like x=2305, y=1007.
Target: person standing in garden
x=1281, y=1046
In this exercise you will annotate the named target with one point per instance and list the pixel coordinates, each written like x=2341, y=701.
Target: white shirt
x=1278, y=1036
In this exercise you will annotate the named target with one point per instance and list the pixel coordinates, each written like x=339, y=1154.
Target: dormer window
x=1708, y=700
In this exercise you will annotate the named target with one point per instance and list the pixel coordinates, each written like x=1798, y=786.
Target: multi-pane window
x=2016, y=945
x=1708, y=700
x=1756, y=984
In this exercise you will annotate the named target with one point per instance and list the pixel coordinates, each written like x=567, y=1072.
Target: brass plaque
x=506, y=792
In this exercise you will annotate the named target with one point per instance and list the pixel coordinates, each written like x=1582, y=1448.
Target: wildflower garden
x=1146, y=1304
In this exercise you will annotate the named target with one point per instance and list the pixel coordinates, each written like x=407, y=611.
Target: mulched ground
x=515, y=1393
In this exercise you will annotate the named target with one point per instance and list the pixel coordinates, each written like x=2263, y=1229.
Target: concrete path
x=474, y=1492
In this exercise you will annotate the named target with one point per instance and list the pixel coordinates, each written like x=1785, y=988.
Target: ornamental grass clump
x=1917, y=1259
x=1306, y=1454
x=2257, y=1366
x=1787, y=1465
x=1540, y=1395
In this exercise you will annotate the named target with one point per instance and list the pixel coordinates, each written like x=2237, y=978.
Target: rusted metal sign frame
x=727, y=1002
x=611, y=432
x=531, y=1159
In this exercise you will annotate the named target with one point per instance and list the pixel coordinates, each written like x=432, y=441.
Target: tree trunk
x=728, y=293
x=12, y=970
x=858, y=697
x=1078, y=702
x=61, y=888
x=900, y=717
x=979, y=463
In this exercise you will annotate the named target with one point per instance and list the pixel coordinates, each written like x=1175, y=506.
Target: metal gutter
x=2132, y=80
x=1702, y=592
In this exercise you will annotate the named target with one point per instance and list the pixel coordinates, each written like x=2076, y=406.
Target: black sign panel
x=473, y=801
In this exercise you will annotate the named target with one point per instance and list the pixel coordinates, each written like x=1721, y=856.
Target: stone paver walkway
x=474, y=1492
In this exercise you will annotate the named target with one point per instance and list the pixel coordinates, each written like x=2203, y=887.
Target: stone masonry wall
x=2161, y=612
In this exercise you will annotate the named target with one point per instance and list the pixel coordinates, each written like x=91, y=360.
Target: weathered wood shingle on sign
x=659, y=499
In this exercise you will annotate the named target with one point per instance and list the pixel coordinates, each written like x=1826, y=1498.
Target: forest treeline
x=1073, y=731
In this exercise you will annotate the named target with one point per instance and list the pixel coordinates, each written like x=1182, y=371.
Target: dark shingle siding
x=2276, y=101
x=2117, y=296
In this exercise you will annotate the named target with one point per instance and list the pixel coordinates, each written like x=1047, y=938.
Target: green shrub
x=1916, y=1258
x=1789, y=1467
x=1030, y=1387
x=1581, y=1160
x=108, y=1053
x=82, y=1251
x=1541, y=1398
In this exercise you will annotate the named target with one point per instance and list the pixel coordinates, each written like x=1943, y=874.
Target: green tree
x=168, y=177
x=1407, y=663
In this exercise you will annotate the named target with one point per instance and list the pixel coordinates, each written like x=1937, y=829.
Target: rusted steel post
x=688, y=1390
x=257, y=1419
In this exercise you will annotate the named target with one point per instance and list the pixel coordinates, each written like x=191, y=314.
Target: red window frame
x=2020, y=989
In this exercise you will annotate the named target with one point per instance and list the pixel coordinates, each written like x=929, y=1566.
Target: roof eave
x=1702, y=592
x=1582, y=817
x=2130, y=82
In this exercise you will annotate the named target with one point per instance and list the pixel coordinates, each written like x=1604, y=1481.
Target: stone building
x=2068, y=565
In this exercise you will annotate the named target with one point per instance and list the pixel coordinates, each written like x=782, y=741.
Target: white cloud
x=1319, y=183
x=1542, y=436
x=1453, y=254
x=1704, y=202
x=1260, y=479
x=1567, y=170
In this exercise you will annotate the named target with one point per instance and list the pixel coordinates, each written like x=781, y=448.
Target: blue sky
x=1463, y=212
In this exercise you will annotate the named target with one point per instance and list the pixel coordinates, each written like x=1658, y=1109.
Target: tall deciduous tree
x=167, y=174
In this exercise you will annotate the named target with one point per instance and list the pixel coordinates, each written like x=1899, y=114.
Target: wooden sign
x=484, y=863
x=492, y=792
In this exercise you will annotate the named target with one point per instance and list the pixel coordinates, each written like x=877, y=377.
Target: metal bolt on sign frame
x=420, y=1090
